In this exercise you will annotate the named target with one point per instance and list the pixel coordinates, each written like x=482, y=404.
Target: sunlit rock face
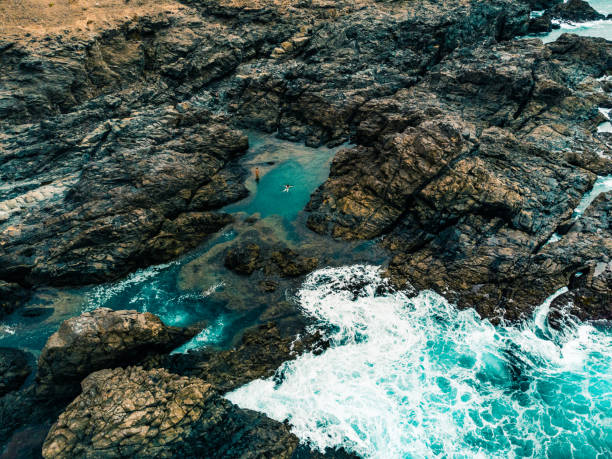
x=102, y=339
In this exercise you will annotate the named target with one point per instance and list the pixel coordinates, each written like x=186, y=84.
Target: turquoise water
x=213, y=294
x=280, y=164
x=415, y=377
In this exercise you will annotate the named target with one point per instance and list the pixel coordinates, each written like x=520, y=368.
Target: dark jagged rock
x=14, y=369
x=102, y=339
x=590, y=286
x=575, y=11
x=543, y=4
x=138, y=413
x=117, y=198
x=259, y=354
x=541, y=24
x=247, y=257
x=471, y=171
x=12, y=296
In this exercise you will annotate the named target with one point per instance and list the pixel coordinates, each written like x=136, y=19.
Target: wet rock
x=14, y=369
x=541, y=24
x=258, y=355
x=12, y=296
x=243, y=259
x=575, y=11
x=590, y=285
x=466, y=176
x=101, y=339
x=247, y=257
x=154, y=413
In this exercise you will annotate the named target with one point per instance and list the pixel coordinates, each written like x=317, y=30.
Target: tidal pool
x=212, y=294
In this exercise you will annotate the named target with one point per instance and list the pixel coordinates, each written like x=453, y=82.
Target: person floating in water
x=257, y=174
x=287, y=187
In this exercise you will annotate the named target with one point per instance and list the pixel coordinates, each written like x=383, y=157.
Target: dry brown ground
x=41, y=17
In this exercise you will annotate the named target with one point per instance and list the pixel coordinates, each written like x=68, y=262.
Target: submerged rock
x=14, y=369
x=12, y=296
x=138, y=413
x=101, y=339
x=247, y=257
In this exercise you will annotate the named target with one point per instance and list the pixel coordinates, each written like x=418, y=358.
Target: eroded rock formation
x=116, y=144
x=469, y=173
x=102, y=339
x=14, y=369
x=138, y=413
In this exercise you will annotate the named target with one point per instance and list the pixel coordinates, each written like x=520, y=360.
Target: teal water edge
x=415, y=377
x=179, y=293
x=602, y=29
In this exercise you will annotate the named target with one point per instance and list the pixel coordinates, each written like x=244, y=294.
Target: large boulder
x=137, y=413
x=101, y=339
x=14, y=369
x=575, y=11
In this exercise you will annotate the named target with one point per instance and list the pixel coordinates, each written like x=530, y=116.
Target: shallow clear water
x=210, y=294
x=415, y=377
x=301, y=167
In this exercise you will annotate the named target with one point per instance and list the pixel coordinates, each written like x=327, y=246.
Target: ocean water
x=415, y=377
x=603, y=184
x=603, y=6
x=602, y=29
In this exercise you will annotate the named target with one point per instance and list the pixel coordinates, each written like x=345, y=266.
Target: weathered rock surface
x=138, y=413
x=113, y=199
x=102, y=339
x=590, y=287
x=116, y=144
x=14, y=369
x=258, y=355
x=245, y=258
x=470, y=172
x=575, y=11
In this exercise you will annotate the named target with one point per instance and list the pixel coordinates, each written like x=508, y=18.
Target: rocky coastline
x=121, y=142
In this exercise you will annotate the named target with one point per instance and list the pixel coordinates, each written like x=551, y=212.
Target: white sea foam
x=212, y=334
x=603, y=184
x=415, y=377
x=7, y=330
x=103, y=293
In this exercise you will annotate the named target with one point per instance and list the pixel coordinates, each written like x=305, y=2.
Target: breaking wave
x=416, y=377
